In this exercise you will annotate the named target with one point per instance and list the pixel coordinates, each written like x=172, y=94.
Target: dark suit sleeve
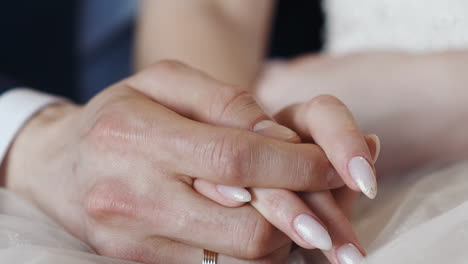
x=6, y=84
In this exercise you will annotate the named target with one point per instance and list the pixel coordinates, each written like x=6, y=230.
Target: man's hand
x=118, y=172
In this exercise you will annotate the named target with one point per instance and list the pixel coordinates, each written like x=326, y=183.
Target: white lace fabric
x=408, y=25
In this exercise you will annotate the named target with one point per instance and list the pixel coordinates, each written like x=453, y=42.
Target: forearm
x=225, y=39
x=440, y=103
x=416, y=104
x=19, y=108
x=33, y=145
x=420, y=112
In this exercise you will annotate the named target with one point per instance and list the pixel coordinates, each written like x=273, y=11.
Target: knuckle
x=311, y=168
x=115, y=126
x=109, y=200
x=275, y=200
x=324, y=100
x=256, y=236
x=106, y=126
x=232, y=158
x=164, y=67
x=116, y=202
x=232, y=101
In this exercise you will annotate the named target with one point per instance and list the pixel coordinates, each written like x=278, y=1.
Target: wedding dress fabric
x=421, y=218
x=28, y=236
x=407, y=25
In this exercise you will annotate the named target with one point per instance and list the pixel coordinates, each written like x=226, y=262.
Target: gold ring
x=209, y=257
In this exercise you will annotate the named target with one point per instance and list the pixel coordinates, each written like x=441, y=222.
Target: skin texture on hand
x=118, y=172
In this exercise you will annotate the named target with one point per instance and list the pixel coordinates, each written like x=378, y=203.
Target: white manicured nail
x=363, y=174
x=312, y=232
x=271, y=129
x=376, y=139
x=349, y=254
x=234, y=193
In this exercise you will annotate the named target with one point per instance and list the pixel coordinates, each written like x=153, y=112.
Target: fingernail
x=312, y=232
x=271, y=129
x=363, y=174
x=349, y=254
x=296, y=258
x=376, y=140
x=234, y=193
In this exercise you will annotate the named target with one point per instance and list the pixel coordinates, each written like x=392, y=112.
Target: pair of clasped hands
x=170, y=161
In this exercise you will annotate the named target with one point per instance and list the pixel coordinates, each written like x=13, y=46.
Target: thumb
x=199, y=97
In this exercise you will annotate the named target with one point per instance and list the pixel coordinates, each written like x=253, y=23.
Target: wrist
x=35, y=145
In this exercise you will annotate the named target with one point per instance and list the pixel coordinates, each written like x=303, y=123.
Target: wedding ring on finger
x=209, y=257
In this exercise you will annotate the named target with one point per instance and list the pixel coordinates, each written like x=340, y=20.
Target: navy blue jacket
x=38, y=43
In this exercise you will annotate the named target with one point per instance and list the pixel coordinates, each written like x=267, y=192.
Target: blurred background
x=75, y=48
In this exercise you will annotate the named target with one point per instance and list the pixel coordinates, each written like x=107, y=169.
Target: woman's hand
x=118, y=172
x=339, y=137
x=390, y=94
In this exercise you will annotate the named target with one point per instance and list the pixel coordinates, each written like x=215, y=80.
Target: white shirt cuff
x=17, y=106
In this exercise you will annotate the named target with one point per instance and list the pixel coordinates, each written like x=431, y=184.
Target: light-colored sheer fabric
x=421, y=218
x=27, y=236
x=409, y=25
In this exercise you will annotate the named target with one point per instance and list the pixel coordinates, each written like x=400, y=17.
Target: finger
x=163, y=250
x=233, y=157
x=330, y=124
x=220, y=155
x=373, y=142
x=199, y=97
x=237, y=158
x=170, y=252
x=285, y=210
x=240, y=158
x=345, y=244
x=280, y=207
x=345, y=197
x=235, y=196
x=196, y=221
x=225, y=195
